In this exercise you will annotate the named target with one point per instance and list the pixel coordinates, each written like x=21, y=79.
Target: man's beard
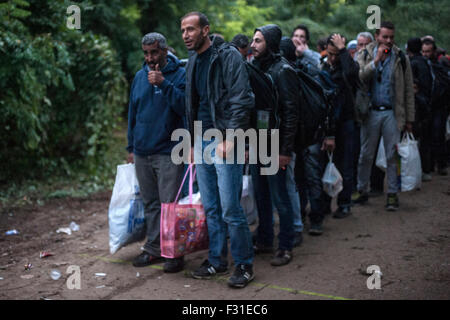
x=199, y=44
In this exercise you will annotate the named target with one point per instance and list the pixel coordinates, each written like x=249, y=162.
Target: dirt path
x=411, y=247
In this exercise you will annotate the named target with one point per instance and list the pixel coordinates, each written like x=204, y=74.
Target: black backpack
x=317, y=92
x=265, y=115
x=440, y=93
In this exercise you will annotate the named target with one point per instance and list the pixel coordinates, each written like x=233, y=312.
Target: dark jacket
x=421, y=70
x=155, y=112
x=286, y=82
x=230, y=95
x=345, y=76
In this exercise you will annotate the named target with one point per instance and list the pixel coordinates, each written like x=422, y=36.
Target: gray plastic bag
x=332, y=179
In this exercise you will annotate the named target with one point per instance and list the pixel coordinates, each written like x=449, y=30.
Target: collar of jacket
x=172, y=64
x=372, y=46
x=264, y=63
x=217, y=45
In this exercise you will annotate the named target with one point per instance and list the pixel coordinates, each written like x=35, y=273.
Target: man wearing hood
x=266, y=50
x=156, y=109
x=218, y=94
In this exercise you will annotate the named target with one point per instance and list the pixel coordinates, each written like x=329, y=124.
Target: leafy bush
x=61, y=95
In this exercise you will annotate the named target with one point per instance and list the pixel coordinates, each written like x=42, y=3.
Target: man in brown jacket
x=387, y=73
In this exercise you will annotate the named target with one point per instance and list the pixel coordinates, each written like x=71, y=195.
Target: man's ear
x=205, y=31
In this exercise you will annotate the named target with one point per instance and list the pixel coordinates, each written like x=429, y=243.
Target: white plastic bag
x=196, y=199
x=381, y=156
x=410, y=166
x=332, y=179
x=126, y=210
x=248, y=201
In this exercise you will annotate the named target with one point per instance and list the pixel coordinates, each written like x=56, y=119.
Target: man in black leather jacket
x=265, y=47
x=218, y=93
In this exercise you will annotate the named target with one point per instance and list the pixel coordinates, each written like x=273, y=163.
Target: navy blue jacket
x=155, y=112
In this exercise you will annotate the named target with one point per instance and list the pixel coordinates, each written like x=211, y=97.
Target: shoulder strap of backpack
x=433, y=76
x=402, y=56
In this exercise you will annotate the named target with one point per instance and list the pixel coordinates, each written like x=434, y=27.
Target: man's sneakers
x=298, y=239
x=281, y=258
x=426, y=177
x=342, y=212
x=242, y=275
x=174, y=265
x=146, y=259
x=207, y=271
x=315, y=229
x=360, y=197
x=392, y=202
x=260, y=249
x=442, y=171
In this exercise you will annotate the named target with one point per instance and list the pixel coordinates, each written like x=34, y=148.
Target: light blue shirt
x=382, y=91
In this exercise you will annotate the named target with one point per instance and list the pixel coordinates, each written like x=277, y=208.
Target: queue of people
x=215, y=88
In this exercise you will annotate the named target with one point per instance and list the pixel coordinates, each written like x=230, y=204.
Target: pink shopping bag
x=183, y=226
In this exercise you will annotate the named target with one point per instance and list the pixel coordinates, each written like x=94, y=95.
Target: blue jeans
x=220, y=188
x=273, y=189
x=343, y=159
x=294, y=195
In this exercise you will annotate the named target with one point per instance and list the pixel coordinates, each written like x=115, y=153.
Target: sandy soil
x=411, y=247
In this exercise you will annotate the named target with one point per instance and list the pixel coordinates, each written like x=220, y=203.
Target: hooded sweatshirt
x=286, y=82
x=272, y=35
x=155, y=112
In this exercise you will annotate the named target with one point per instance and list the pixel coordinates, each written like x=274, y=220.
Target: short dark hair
x=329, y=41
x=387, y=25
x=240, y=41
x=428, y=41
x=203, y=19
x=414, y=45
x=304, y=28
x=322, y=43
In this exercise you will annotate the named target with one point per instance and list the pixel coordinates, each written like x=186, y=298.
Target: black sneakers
x=360, y=197
x=207, y=271
x=146, y=259
x=298, y=240
x=260, y=248
x=392, y=202
x=281, y=258
x=315, y=229
x=174, y=265
x=342, y=213
x=242, y=275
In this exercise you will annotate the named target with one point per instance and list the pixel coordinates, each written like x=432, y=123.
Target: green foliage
x=61, y=93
